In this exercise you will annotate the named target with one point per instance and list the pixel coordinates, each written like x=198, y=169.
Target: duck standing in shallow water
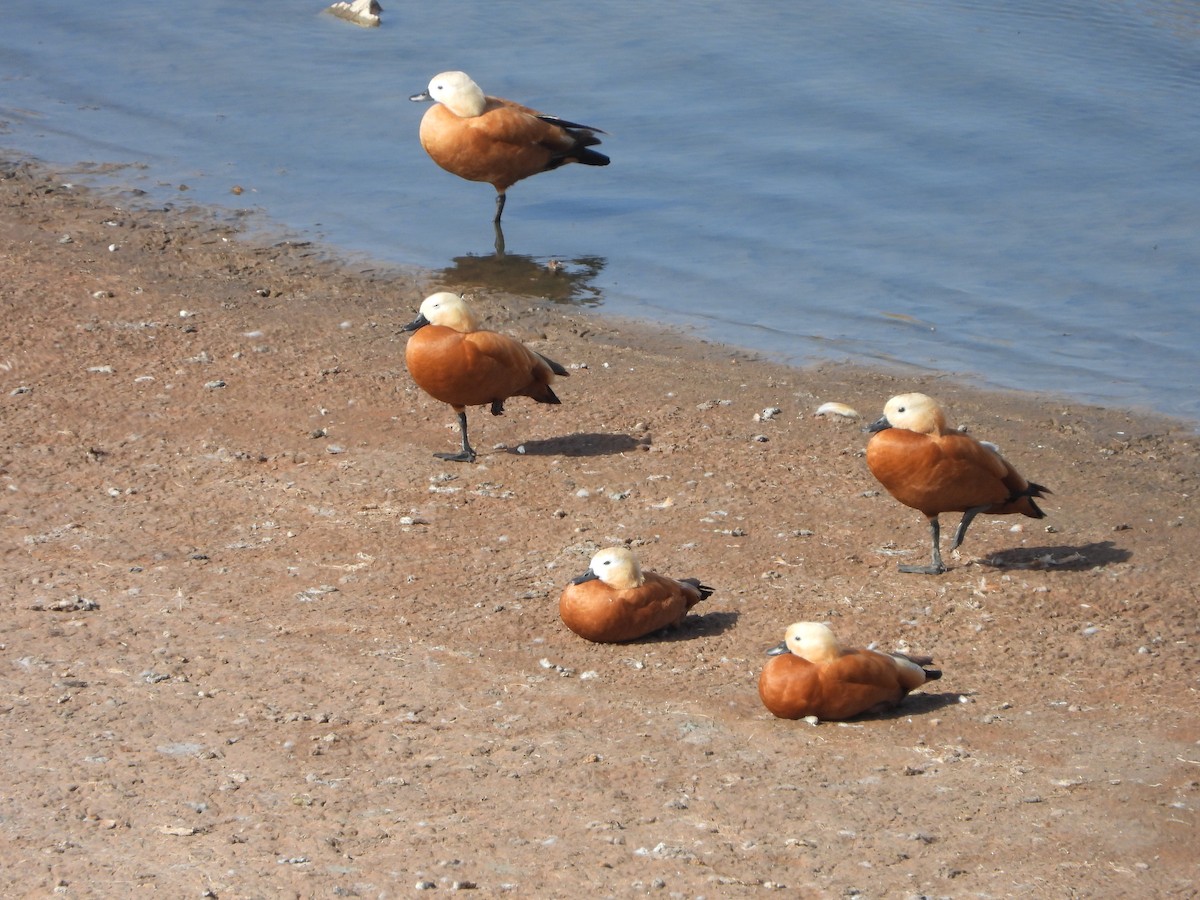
x=933, y=469
x=614, y=600
x=483, y=138
x=811, y=675
x=453, y=361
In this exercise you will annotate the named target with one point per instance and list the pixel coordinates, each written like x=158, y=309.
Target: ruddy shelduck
x=810, y=674
x=483, y=138
x=454, y=361
x=934, y=469
x=614, y=600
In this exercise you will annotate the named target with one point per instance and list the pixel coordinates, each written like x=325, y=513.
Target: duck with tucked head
x=615, y=600
x=811, y=674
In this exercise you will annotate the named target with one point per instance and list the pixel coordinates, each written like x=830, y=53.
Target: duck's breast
x=788, y=686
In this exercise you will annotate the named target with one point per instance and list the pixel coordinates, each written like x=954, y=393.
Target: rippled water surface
x=1010, y=191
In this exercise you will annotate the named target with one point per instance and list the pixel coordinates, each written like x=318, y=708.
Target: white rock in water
x=837, y=409
x=360, y=12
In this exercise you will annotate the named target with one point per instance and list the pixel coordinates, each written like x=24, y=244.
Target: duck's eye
x=901, y=409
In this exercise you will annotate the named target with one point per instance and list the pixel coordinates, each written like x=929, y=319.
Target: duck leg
x=500, y=199
x=961, y=532
x=467, y=454
x=936, y=567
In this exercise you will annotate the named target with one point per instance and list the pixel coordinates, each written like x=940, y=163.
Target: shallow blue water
x=1011, y=193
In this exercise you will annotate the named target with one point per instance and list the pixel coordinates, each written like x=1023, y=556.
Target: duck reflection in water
x=558, y=280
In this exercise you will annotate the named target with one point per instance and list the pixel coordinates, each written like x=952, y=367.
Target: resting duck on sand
x=812, y=675
x=616, y=601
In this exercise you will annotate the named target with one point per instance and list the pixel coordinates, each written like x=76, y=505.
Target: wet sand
x=259, y=641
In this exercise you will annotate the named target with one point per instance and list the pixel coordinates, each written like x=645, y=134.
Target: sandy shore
x=260, y=642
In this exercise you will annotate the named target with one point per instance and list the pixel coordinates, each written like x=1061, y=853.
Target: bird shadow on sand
x=1066, y=558
x=919, y=703
x=580, y=445
x=694, y=626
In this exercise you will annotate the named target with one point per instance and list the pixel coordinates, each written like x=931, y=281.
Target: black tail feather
x=556, y=368
x=704, y=589
x=589, y=157
x=1033, y=490
x=1037, y=490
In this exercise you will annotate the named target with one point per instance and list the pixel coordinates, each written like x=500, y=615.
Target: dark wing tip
x=1038, y=490
x=569, y=125
x=556, y=368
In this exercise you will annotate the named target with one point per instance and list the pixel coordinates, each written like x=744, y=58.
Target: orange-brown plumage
x=616, y=601
x=933, y=469
x=453, y=361
x=811, y=675
x=493, y=140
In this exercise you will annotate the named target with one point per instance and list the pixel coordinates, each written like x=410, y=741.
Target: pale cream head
x=812, y=641
x=618, y=568
x=915, y=412
x=458, y=93
x=450, y=311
